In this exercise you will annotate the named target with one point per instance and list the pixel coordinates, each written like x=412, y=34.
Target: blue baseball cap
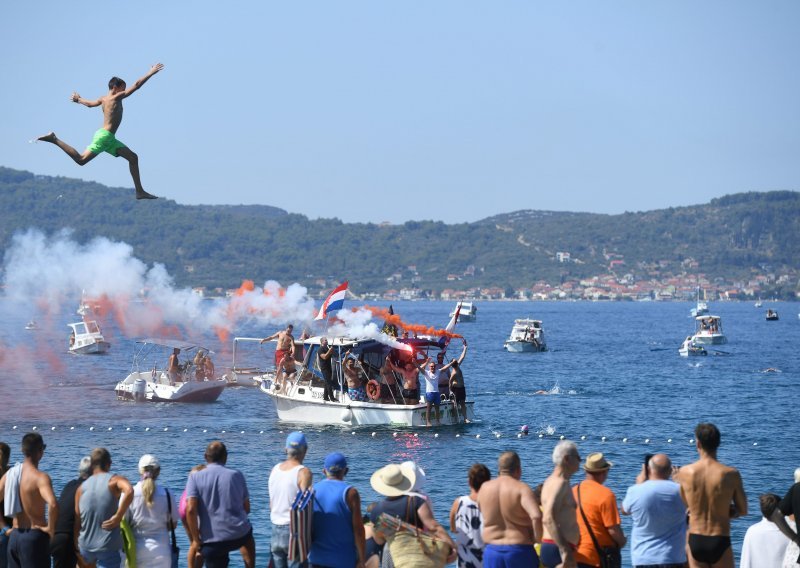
x=335, y=462
x=296, y=440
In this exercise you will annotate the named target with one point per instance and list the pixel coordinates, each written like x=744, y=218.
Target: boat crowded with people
x=380, y=399
x=154, y=377
x=86, y=339
x=709, y=331
x=527, y=336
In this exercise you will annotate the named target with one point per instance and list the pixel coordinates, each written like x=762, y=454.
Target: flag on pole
x=389, y=328
x=335, y=301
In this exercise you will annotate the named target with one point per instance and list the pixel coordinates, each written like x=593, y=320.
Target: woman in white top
x=466, y=521
x=151, y=517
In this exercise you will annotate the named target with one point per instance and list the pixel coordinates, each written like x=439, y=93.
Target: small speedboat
x=690, y=349
x=31, y=325
x=772, y=315
x=701, y=308
x=150, y=381
x=527, y=336
x=709, y=331
x=86, y=339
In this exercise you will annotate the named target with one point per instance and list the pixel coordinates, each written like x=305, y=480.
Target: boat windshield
x=80, y=328
x=93, y=327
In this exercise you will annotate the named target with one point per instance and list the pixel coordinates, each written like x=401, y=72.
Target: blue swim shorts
x=433, y=398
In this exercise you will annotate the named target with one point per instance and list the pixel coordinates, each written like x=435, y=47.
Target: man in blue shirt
x=217, y=505
x=659, y=517
x=339, y=540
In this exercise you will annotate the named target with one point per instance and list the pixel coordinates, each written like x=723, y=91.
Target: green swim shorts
x=105, y=141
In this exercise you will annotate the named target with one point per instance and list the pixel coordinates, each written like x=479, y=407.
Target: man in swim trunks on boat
x=714, y=494
x=353, y=374
x=512, y=519
x=410, y=374
x=285, y=343
x=104, y=139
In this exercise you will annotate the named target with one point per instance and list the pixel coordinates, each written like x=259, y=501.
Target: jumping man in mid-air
x=104, y=139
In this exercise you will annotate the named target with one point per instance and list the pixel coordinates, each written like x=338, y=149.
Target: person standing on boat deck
x=512, y=517
x=26, y=491
x=285, y=343
x=100, y=505
x=324, y=355
x=456, y=378
x=432, y=396
x=104, y=139
x=560, y=534
x=353, y=374
x=339, y=540
x=62, y=545
x=714, y=494
x=174, y=366
x=599, y=504
x=410, y=374
x=284, y=481
x=217, y=509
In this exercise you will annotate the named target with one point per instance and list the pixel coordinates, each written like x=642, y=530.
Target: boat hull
x=306, y=405
x=711, y=339
x=523, y=347
x=95, y=348
x=162, y=391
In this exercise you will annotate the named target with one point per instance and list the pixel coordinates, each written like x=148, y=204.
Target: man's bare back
x=559, y=507
x=35, y=491
x=509, y=509
x=714, y=494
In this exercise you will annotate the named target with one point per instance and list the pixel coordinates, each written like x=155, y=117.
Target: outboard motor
x=139, y=390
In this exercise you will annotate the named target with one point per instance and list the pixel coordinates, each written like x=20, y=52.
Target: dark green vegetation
x=733, y=237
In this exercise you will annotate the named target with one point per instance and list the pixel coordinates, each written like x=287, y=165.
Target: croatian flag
x=335, y=301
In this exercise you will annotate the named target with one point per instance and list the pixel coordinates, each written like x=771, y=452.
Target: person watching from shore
x=512, y=518
x=6, y=523
x=789, y=506
x=560, y=532
x=285, y=343
x=714, y=494
x=151, y=516
x=62, y=545
x=764, y=546
x=26, y=492
x=100, y=505
x=285, y=479
x=466, y=521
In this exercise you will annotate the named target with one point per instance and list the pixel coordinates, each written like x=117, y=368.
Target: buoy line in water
x=522, y=433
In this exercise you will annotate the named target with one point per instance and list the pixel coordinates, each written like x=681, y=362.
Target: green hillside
x=219, y=246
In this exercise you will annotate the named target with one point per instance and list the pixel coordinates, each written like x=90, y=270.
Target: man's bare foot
x=144, y=195
x=49, y=137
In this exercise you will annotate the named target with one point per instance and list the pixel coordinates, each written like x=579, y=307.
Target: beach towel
x=12, y=504
x=301, y=519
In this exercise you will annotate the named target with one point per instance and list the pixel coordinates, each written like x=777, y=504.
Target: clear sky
x=390, y=111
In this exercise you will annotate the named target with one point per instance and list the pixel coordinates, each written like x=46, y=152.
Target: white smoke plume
x=358, y=324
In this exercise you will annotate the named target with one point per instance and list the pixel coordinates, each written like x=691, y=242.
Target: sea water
x=615, y=384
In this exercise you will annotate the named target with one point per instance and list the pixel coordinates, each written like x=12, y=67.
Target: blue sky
x=392, y=111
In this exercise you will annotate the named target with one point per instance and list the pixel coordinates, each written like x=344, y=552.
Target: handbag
x=410, y=546
x=610, y=556
x=175, y=550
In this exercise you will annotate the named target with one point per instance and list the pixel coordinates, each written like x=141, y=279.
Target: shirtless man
x=353, y=376
x=285, y=343
x=714, y=494
x=29, y=542
x=287, y=370
x=410, y=374
x=561, y=533
x=512, y=520
x=174, y=366
x=104, y=139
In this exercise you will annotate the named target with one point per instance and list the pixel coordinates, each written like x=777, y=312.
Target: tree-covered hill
x=219, y=246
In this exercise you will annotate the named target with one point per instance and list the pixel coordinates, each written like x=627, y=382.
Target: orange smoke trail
x=419, y=329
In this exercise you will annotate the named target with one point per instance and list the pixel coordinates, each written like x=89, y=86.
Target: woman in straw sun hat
x=396, y=483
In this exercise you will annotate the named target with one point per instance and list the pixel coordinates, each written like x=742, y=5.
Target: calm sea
x=617, y=383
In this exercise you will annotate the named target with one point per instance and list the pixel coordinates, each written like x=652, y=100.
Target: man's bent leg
x=133, y=164
x=80, y=159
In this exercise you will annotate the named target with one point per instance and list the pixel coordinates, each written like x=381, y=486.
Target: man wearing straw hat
x=598, y=516
x=512, y=518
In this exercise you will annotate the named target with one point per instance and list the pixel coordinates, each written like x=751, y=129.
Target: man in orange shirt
x=597, y=505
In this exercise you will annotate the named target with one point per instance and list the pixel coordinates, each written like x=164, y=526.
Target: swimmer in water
x=104, y=139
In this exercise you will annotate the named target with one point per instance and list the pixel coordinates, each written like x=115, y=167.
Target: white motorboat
x=709, y=331
x=690, y=349
x=31, y=326
x=150, y=381
x=246, y=372
x=467, y=311
x=527, y=335
x=757, y=304
x=301, y=399
x=772, y=315
x=86, y=338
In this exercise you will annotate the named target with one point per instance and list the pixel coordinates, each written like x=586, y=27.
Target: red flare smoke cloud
x=419, y=329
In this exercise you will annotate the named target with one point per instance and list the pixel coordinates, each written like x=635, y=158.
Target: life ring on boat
x=373, y=389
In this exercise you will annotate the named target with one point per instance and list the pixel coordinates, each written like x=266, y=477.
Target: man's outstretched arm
x=76, y=98
x=153, y=70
